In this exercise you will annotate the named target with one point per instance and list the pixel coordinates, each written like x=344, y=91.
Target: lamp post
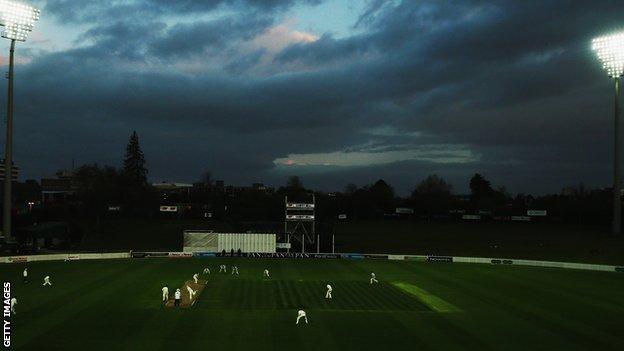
x=610, y=51
x=18, y=20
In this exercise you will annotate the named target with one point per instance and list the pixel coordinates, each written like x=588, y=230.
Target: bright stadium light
x=610, y=51
x=18, y=19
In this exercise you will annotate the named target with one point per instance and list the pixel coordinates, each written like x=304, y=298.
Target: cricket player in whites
x=222, y=269
x=373, y=279
x=191, y=292
x=301, y=314
x=234, y=270
x=206, y=270
x=177, y=295
x=165, y=291
x=328, y=293
x=195, y=277
x=46, y=281
x=13, y=303
x=266, y=274
x=25, y=275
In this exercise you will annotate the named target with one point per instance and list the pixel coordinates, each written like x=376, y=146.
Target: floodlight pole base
x=8, y=156
x=617, y=199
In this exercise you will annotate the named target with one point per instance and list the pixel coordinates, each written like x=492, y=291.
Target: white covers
x=196, y=241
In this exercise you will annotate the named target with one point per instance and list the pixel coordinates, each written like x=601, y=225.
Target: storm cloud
x=506, y=88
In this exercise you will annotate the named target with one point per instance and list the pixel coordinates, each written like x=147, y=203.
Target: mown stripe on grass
x=313, y=294
x=430, y=300
x=346, y=297
x=369, y=297
x=401, y=300
x=284, y=299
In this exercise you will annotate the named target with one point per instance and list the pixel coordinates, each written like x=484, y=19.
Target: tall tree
x=432, y=196
x=485, y=197
x=480, y=187
x=295, y=190
x=294, y=182
x=382, y=196
x=433, y=185
x=134, y=162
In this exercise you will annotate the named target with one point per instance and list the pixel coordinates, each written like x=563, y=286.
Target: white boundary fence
x=569, y=265
x=424, y=258
x=63, y=257
x=519, y=262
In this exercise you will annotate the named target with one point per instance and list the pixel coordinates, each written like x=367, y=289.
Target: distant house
x=262, y=187
x=58, y=189
x=173, y=188
x=174, y=197
x=461, y=198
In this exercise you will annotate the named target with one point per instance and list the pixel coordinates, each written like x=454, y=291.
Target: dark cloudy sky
x=334, y=91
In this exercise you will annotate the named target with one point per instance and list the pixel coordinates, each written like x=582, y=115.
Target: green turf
x=115, y=304
x=433, y=302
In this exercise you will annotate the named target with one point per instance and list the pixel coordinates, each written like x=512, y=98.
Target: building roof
x=171, y=185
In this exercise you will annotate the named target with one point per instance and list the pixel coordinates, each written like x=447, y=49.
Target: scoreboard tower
x=299, y=220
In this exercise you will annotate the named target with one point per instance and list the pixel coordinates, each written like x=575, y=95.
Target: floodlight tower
x=18, y=20
x=610, y=51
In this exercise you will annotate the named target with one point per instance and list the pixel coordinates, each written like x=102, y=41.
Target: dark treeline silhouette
x=432, y=199
x=126, y=190
x=103, y=192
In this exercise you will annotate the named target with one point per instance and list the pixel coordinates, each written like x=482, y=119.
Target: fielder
x=165, y=291
x=373, y=279
x=301, y=314
x=266, y=273
x=13, y=303
x=177, y=295
x=222, y=269
x=195, y=276
x=206, y=270
x=46, y=281
x=234, y=270
x=25, y=275
x=191, y=292
x=328, y=293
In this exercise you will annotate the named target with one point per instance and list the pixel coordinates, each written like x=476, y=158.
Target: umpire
x=177, y=297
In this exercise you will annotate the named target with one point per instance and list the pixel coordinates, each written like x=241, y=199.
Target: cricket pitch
x=186, y=301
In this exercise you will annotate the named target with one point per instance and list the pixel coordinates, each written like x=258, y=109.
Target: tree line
x=107, y=191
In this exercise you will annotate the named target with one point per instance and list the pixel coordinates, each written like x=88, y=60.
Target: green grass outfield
x=115, y=305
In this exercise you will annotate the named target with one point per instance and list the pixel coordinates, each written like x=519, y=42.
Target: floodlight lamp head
x=18, y=19
x=610, y=51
